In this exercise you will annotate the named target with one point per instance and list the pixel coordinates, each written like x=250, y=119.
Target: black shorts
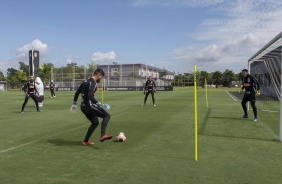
x=249, y=97
x=93, y=111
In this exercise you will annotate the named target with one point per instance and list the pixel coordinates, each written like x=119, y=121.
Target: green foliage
x=2, y=77
x=45, y=72
x=228, y=75
x=25, y=68
x=15, y=77
x=217, y=77
x=163, y=73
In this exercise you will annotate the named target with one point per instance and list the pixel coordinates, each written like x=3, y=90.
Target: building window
x=114, y=69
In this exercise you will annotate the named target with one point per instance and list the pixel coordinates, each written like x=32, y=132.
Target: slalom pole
x=195, y=113
x=207, y=101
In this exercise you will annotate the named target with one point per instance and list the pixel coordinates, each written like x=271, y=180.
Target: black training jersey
x=250, y=84
x=150, y=85
x=29, y=87
x=87, y=89
x=52, y=86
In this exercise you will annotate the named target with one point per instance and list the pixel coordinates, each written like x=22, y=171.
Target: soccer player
x=91, y=107
x=252, y=89
x=150, y=87
x=52, y=88
x=30, y=90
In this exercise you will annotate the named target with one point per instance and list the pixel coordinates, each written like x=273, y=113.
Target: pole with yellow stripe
x=195, y=113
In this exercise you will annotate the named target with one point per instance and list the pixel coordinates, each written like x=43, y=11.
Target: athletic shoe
x=22, y=111
x=54, y=96
x=143, y=105
x=105, y=137
x=245, y=116
x=87, y=143
x=256, y=120
x=39, y=111
x=154, y=105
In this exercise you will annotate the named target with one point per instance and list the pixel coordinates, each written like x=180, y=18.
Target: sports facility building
x=134, y=75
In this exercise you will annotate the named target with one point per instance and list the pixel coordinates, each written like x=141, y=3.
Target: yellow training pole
x=102, y=91
x=207, y=101
x=195, y=113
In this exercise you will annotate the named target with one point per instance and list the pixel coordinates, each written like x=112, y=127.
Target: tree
x=2, y=77
x=203, y=75
x=217, y=76
x=45, y=72
x=24, y=68
x=163, y=73
x=15, y=77
x=228, y=75
x=91, y=67
x=134, y=75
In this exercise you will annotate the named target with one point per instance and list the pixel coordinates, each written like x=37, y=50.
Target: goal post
x=265, y=65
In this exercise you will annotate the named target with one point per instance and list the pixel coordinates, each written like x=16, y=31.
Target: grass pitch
x=46, y=147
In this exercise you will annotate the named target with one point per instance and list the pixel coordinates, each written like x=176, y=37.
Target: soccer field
x=46, y=147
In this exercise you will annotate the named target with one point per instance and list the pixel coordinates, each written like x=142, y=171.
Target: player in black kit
x=91, y=107
x=30, y=90
x=150, y=87
x=252, y=89
x=52, y=88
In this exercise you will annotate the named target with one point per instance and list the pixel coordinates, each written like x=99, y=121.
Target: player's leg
x=25, y=102
x=244, y=106
x=53, y=91
x=146, y=96
x=94, y=124
x=253, y=104
x=100, y=112
x=35, y=101
x=153, y=97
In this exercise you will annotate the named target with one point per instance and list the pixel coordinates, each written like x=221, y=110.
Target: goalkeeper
x=91, y=107
x=252, y=89
x=150, y=88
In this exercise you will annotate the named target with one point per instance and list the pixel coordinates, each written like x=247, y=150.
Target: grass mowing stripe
x=31, y=142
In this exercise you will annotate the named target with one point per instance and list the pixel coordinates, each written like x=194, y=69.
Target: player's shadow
x=61, y=142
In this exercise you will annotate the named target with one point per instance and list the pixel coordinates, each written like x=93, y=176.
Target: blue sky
x=174, y=34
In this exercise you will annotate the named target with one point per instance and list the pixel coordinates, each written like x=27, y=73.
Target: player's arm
x=146, y=86
x=25, y=89
x=91, y=92
x=242, y=87
x=78, y=91
x=257, y=85
x=155, y=86
x=73, y=108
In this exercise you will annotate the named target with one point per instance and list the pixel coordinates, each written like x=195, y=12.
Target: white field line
x=31, y=142
x=232, y=96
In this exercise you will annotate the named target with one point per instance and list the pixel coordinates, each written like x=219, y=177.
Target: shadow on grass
x=61, y=142
x=204, y=123
x=164, y=156
x=238, y=137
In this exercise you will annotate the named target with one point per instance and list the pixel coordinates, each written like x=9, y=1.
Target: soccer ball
x=121, y=137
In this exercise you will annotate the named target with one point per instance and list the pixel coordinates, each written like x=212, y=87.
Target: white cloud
x=235, y=31
x=177, y=3
x=35, y=45
x=108, y=56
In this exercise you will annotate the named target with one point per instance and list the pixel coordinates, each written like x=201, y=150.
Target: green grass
x=46, y=147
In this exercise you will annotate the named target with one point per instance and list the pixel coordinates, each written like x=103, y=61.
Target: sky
x=171, y=34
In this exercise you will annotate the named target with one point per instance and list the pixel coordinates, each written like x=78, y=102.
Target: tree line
x=216, y=78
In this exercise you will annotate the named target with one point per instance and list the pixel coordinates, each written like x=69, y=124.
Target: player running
x=252, y=89
x=52, y=88
x=30, y=90
x=150, y=87
x=91, y=107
